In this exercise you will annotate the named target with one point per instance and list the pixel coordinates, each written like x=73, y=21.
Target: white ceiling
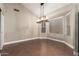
x=49, y=7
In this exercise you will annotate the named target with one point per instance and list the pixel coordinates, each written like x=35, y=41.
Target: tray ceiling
x=49, y=7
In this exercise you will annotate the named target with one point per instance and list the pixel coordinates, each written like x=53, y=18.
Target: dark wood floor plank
x=44, y=47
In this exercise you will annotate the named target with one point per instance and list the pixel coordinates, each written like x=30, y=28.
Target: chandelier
x=42, y=19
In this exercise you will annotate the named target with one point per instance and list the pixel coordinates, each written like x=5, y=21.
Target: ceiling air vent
x=17, y=10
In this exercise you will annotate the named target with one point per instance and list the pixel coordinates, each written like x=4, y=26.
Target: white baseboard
x=55, y=40
x=68, y=45
x=6, y=43
x=75, y=53
x=62, y=42
x=1, y=47
x=39, y=38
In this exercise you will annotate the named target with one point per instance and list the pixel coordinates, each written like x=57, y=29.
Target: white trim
x=62, y=42
x=75, y=53
x=12, y=42
x=2, y=31
x=55, y=40
x=68, y=13
x=62, y=18
x=56, y=18
x=39, y=38
x=68, y=45
x=1, y=48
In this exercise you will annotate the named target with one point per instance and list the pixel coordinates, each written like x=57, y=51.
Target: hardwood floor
x=39, y=47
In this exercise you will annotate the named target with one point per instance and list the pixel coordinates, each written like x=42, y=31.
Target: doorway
x=1, y=29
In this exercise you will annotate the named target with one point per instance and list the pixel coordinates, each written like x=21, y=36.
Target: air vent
x=17, y=10
x=42, y=4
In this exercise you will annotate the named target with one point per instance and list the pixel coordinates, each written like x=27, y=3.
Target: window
x=56, y=26
x=68, y=24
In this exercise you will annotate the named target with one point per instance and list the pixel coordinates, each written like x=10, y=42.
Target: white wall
x=1, y=26
x=1, y=5
x=10, y=20
x=76, y=27
x=27, y=26
x=18, y=25
x=62, y=12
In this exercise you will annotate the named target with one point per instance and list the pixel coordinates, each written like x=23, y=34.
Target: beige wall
x=62, y=12
x=76, y=27
x=1, y=5
x=19, y=25
x=27, y=26
x=1, y=26
x=10, y=22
